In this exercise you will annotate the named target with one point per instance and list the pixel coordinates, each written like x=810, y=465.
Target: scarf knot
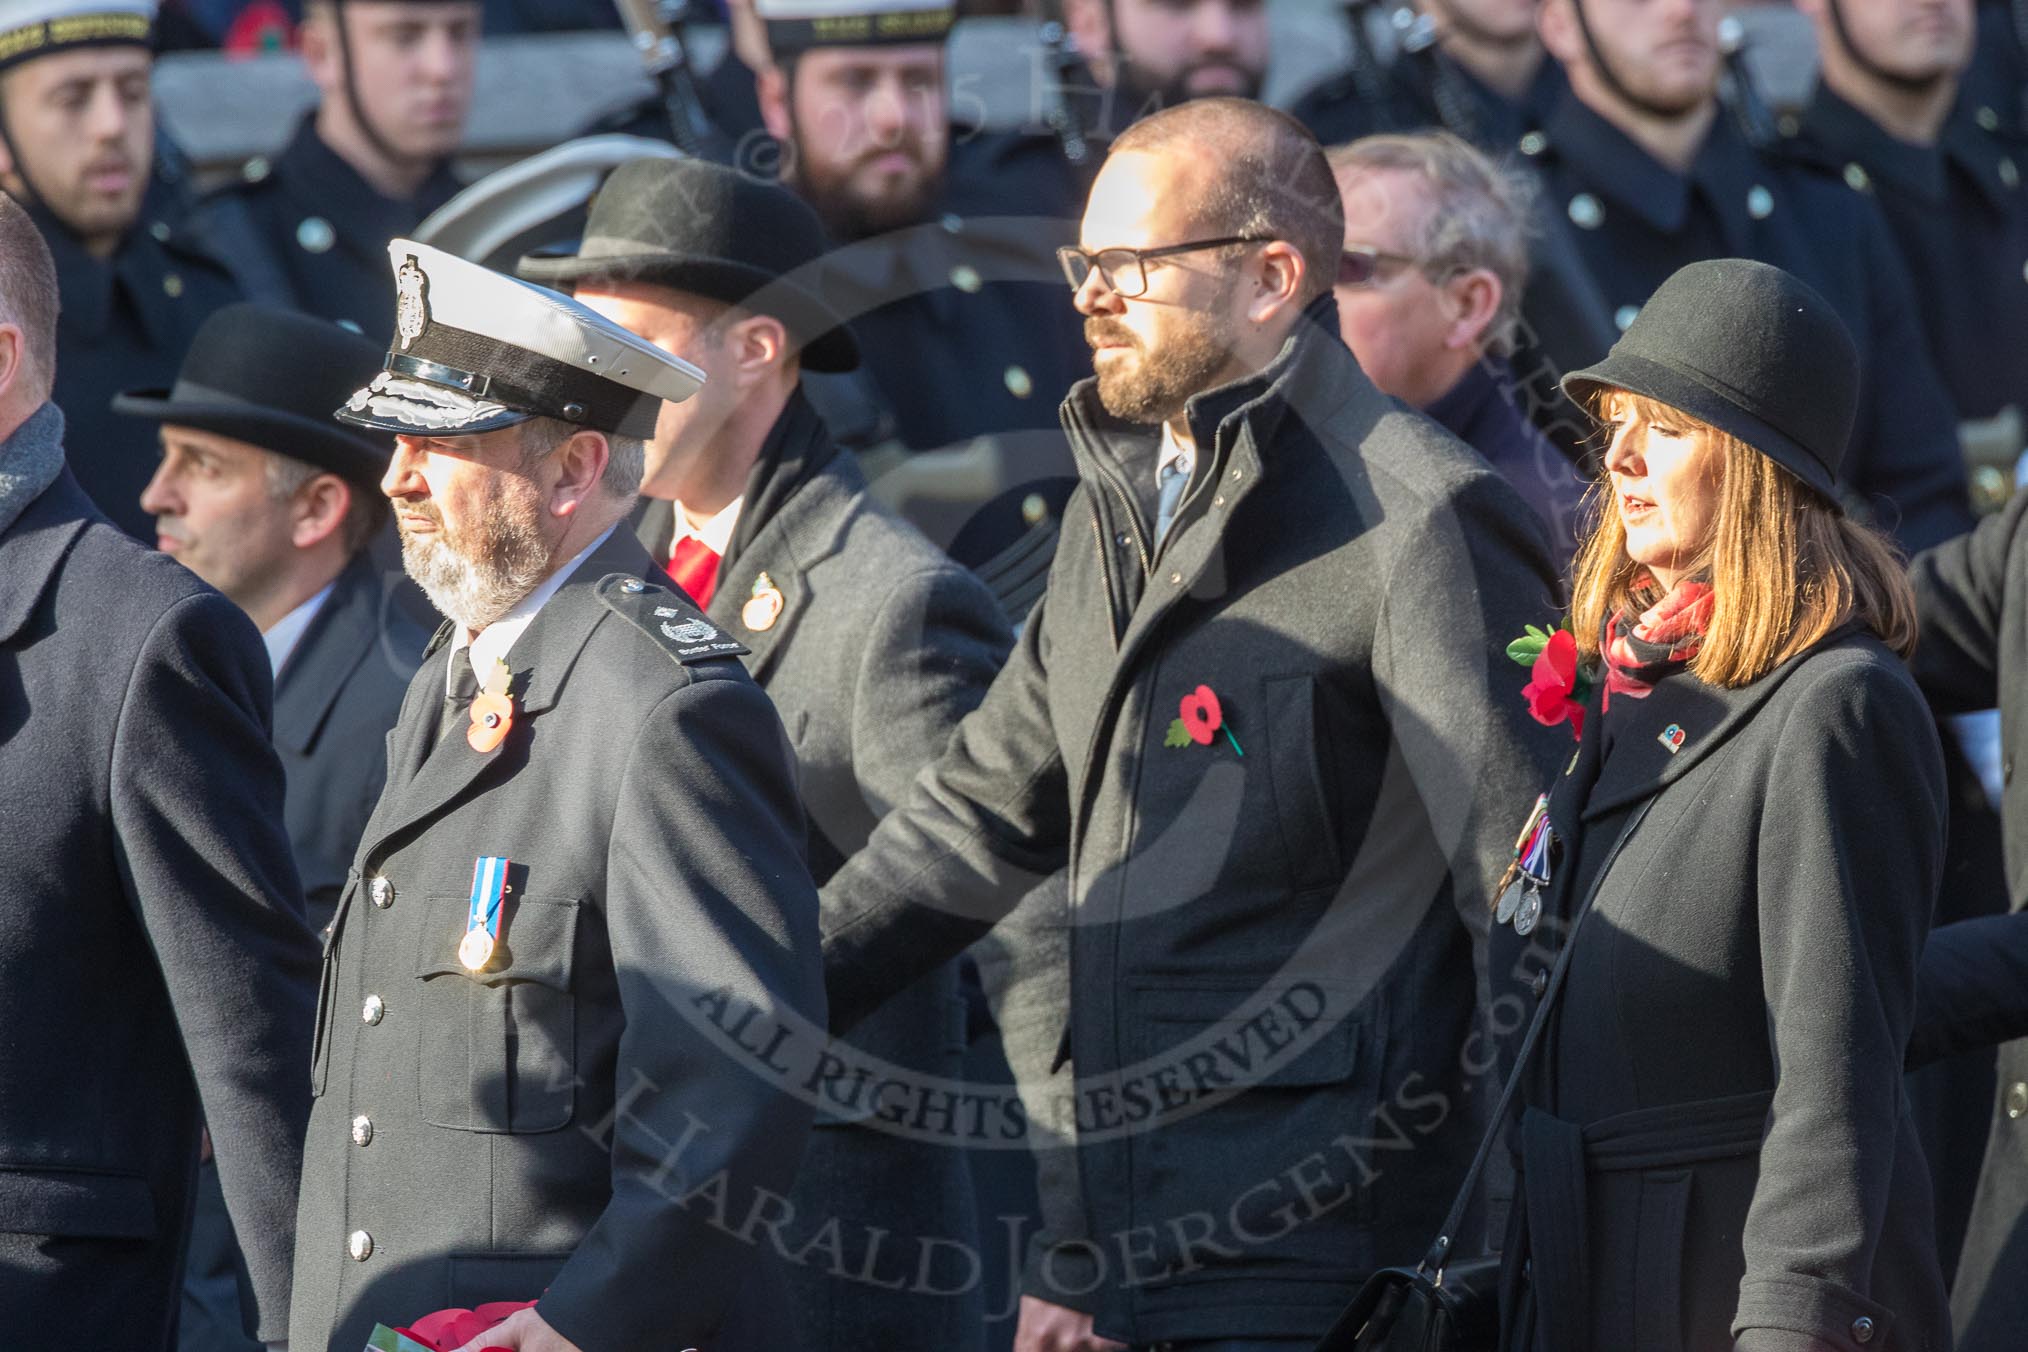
x=1640, y=651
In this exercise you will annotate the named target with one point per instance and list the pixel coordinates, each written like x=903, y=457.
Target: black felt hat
x=270, y=377
x=1749, y=349
x=699, y=227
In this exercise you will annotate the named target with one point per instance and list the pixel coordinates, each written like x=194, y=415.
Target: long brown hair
x=1786, y=567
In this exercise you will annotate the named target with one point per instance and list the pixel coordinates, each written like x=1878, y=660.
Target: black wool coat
x=880, y=646
x=1974, y=655
x=1274, y=932
x=578, y=1121
x=1713, y=1145
x=155, y=969
x=335, y=699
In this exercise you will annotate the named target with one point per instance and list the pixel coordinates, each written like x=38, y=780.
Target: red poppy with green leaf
x=1201, y=719
x=1558, y=683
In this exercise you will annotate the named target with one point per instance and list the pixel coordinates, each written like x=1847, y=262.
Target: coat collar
x=802, y=531
x=1845, y=132
x=322, y=182
x=349, y=629
x=1727, y=173
x=1641, y=766
x=34, y=547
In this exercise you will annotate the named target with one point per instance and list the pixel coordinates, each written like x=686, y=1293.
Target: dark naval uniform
x=1638, y=221
x=324, y=229
x=1423, y=88
x=126, y=322
x=1959, y=211
x=872, y=646
x=537, y=1128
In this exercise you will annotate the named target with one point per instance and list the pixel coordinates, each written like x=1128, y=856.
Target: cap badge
x=412, y=301
x=764, y=606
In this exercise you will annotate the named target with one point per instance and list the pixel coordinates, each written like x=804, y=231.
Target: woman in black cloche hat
x=1722, y=900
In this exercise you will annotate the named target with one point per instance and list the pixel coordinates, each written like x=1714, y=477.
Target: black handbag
x=1438, y=1305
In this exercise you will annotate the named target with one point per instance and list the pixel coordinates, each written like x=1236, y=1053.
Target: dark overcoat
x=155, y=970
x=335, y=699
x=880, y=645
x=1274, y=929
x=1713, y=1142
x=576, y=1122
x=1974, y=655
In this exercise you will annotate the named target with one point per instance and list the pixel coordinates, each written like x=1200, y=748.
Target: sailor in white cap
x=77, y=148
x=589, y=847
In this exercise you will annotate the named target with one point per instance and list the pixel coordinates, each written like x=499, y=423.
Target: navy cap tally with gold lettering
x=795, y=26
x=475, y=350
x=32, y=28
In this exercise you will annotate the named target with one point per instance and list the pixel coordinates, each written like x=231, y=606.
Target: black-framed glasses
x=1362, y=265
x=1124, y=270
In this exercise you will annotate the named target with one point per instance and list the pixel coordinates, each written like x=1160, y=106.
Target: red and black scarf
x=1638, y=652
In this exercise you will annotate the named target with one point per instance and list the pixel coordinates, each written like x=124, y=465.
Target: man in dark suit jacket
x=156, y=968
x=871, y=643
x=263, y=496
x=582, y=885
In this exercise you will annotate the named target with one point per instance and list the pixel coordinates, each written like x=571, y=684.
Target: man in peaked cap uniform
x=263, y=496
x=587, y=856
x=371, y=161
x=870, y=641
x=77, y=146
x=1643, y=161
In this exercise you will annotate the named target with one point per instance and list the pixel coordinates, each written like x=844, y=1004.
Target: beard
x=1150, y=386
x=850, y=212
x=1140, y=93
x=476, y=574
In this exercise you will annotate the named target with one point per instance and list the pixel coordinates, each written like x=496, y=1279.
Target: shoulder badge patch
x=667, y=618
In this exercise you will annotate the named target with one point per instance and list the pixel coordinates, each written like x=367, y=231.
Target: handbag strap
x=1432, y=1264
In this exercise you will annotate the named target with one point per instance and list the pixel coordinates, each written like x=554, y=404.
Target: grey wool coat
x=1973, y=655
x=1273, y=932
x=583, y=1120
x=1713, y=1143
x=155, y=970
x=880, y=646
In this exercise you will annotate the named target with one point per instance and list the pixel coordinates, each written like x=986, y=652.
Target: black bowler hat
x=1751, y=350
x=270, y=377
x=699, y=227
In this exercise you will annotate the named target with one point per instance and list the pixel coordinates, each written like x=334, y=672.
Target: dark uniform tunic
x=1638, y=221
x=1959, y=212
x=325, y=229
x=1425, y=89
x=126, y=323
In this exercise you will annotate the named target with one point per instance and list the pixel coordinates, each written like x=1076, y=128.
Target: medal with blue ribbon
x=482, y=920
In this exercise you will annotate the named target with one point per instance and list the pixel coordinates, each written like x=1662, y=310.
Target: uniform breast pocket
x=499, y=1046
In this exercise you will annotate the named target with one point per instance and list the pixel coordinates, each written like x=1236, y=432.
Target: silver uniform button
x=382, y=892
x=1534, y=143
x=371, y=1011
x=966, y=278
x=315, y=234
x=1862, y=1330
x=1856, y=177
x=633, y=586
x=1585, y=212
x=360, y=1245
x=1019, y=383
x=362, y=1130
x=1624, y=317
x=1759, y=202
x=2009, y=173
x=256, y=169
x=160, y=231
x=1987, y=119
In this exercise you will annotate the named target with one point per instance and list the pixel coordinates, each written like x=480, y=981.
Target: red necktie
x=694, y=566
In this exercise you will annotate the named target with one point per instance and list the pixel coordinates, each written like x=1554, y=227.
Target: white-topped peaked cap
x=476, y=350
x=32, y=28
x=798, y=25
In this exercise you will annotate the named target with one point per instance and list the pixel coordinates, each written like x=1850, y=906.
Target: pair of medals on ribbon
x=1527, y=877
x=482, y=919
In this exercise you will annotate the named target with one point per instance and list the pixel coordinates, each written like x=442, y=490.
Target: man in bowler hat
x=260, y=493
x=871, y=643
x=156, y=971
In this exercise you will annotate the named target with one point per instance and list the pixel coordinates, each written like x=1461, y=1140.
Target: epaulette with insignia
x=666, y=617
